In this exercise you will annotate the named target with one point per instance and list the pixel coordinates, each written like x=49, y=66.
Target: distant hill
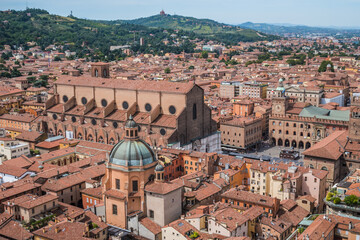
x=36, y=25
x=279, y=29
x=205, y=27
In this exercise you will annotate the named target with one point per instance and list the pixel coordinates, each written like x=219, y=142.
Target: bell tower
x=354, y=124
x=100, y=70
x=279, y=105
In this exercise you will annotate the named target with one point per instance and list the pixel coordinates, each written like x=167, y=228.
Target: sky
x=343, y=13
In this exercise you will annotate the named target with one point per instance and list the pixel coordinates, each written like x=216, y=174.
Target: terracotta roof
x=277, y=225
x=253, y=212
x=331, y=147
x=31, y=136
x=12, y=192
x=12, y=170
x=230, y=218
x=56, y=185
x=207, y=190
x=49, y=145
x=161, y=86
x=317, y=228
x=25, y=117
x=65, y=230
x=249, y=197
x=307, y=197
x=11, y=229
x=35, y=201
x=288, y=204
x=94, y=192
x=115, y=194
x=292, y=213
x=184, y=227
x=151, y=225
x=162, y=187
x=54, y=154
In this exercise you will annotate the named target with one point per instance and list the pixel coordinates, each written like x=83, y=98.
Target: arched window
x=90, y=138
x=194, y=111
x=104, y=73
x=324, y=168
x=96, y=73
x=311, y=166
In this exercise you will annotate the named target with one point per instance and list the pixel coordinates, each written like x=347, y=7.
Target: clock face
x=278, y=108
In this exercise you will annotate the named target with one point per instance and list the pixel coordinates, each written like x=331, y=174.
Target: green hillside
x=82, y=35
x=205, y=27
x=93, y=38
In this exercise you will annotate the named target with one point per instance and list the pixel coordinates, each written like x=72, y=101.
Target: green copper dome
x=132, y=153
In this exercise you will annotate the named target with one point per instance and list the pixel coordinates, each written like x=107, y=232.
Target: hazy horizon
x=318, y=13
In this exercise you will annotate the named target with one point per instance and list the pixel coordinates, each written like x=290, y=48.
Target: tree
x=191, y=67
x=351, y=200
x=248, y=63
x=337, y=200
x=323, y=66
x=57, y=59
x=31, y=79
x=44, y=77
x=40, y=83
x=167, y=70
x=5, y=74
x=204, y=54
x=15, y=72
x=329, y=196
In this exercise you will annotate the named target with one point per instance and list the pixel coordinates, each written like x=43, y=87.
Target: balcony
x=342, y=206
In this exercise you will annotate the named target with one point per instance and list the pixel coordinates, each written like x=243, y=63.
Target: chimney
x=350, y=225
x=57, y=229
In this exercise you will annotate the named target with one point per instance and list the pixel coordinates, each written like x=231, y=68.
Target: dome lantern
x=132, y=152
x=159, y=173
x=131, y=128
